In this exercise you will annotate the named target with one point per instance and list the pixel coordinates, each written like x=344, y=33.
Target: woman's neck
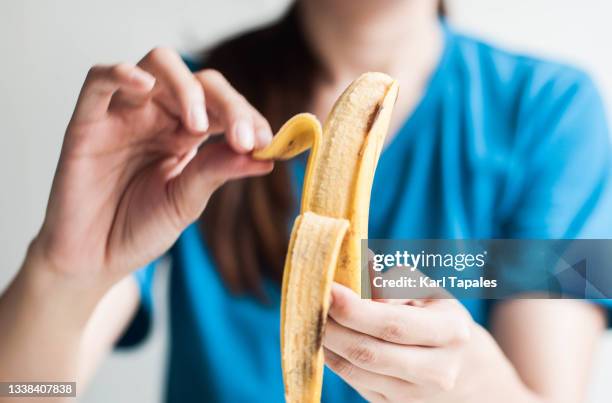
x=391, y=36
x=402, y=38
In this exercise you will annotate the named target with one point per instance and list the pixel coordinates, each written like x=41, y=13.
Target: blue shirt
x=500, y=146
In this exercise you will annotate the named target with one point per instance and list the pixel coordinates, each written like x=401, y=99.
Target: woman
x=484, y=144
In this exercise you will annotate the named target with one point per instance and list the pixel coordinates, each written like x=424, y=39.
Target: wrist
x=490, y=374
x=42, y=319
x=46, y=290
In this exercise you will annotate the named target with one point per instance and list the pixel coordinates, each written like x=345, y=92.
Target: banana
x=325, y=240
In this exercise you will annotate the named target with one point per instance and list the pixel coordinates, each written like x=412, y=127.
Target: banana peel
x=325, y=240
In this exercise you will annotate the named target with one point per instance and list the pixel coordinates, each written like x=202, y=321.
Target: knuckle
x=342, y=308
x=445, y=378
x=341, y=367
x=211, y=74
x=438, y=336
x=362, y=352
x=392, y=331
x=160, y=53
x=106, y=77
x=94, y=72
x=120, y=70
x=447, y=382
x=460, y=333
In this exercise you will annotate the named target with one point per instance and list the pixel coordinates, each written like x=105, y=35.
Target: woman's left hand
x=398, y=350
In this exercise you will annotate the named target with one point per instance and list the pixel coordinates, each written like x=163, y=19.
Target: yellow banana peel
x=325, y=240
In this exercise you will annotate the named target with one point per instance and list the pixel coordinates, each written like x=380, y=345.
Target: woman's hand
x=412, y=350
x=133, y=172
x=132, y=175
x=397, y=350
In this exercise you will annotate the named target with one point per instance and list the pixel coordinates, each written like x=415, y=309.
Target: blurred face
x=370, y=9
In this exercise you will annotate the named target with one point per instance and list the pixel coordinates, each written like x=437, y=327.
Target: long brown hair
x=246, y=222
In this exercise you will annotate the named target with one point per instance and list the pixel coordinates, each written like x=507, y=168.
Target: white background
x=46, y=48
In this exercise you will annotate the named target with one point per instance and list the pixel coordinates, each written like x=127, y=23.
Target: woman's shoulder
x=519, y=71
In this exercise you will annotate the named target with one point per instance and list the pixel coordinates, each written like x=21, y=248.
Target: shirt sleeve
x=141, y=323
x=565, y=165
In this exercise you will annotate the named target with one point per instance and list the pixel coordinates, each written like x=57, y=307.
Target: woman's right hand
x=133, y=172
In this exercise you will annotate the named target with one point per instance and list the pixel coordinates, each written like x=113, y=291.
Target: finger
x=245, y=129
x=263, y=132
x=103, y=81
x=435, y=325
x=177, y=165
x=379, y=291
x=186, y=93
x=435, y=368
x=213, y=165
x=421, y=302
x=364, y=382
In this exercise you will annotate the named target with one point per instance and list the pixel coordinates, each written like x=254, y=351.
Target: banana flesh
x=325, y=240
x=310, y=265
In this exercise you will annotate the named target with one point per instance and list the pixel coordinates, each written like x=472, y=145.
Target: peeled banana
x=325, y=240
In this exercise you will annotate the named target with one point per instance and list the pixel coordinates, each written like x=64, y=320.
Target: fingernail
x=199, y=120
x=245, y=135
x=264, y=137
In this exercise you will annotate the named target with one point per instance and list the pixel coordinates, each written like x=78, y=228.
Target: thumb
x=213, y=165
